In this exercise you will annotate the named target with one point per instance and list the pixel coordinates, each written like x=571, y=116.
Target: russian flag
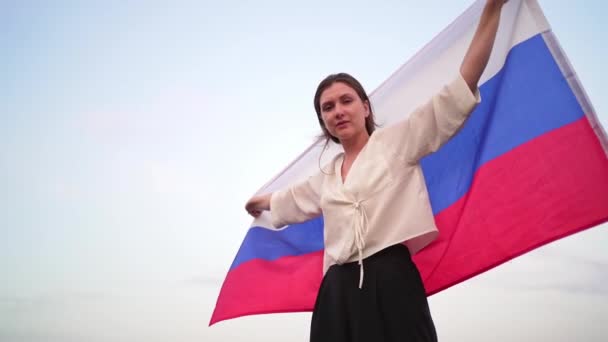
x=529, y=167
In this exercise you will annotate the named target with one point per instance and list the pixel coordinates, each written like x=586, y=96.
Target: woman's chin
x=342, y=136
x=343, y=133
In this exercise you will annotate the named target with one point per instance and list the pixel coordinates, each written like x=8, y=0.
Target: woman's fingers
x=252, y=207
x=256, y=205
x=255, y=213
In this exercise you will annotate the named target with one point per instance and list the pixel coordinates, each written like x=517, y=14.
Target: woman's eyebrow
x=327, y=102
x=341, y=98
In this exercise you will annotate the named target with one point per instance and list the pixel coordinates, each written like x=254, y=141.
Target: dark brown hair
x=352, y=82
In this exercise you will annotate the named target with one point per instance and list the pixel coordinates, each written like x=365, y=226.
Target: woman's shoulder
x=383, y=136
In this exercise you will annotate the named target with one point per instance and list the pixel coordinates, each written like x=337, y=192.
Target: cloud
x=554, y=270
x=205, y=280
x=150, y=314
x=54, y=299
x=573, y=274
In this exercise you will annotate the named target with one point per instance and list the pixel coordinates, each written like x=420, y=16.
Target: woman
x=375, y=204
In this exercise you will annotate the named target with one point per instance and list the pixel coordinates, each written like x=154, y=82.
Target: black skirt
x=391, y=306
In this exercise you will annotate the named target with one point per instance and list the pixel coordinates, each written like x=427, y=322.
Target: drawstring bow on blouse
x=360, y=228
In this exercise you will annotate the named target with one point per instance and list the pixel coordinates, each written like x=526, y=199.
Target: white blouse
x=383, y=200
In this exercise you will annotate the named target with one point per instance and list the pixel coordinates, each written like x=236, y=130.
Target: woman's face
x=343, y=111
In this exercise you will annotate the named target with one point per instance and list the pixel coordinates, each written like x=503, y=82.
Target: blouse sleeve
x=432, y=124
x=298, y=203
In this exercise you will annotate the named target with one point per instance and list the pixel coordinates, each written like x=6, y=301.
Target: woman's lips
x=341, y=124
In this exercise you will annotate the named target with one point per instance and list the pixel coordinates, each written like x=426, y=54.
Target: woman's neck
x=353, y=146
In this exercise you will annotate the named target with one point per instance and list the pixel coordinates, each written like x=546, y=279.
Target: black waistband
x=397, y=252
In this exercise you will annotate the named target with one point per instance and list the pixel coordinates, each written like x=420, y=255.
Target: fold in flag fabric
x=529, y=167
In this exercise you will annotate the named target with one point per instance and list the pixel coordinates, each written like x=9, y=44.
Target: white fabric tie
x=360, y=227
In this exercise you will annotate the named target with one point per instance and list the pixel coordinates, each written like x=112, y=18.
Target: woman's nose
x=339, y=111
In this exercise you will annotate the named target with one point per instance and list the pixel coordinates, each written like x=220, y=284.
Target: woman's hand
x=257, y=204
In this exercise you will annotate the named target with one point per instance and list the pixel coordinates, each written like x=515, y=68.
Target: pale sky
x=133, y=132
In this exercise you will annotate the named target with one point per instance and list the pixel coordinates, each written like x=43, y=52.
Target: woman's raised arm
x=478, y=54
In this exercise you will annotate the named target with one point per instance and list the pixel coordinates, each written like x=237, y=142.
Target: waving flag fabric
x=529, y=167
